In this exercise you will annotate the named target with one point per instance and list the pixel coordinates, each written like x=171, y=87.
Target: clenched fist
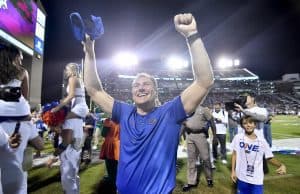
x=185, y=24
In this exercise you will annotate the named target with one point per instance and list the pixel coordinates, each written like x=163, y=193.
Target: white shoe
x=213, y=166
x=224, y=161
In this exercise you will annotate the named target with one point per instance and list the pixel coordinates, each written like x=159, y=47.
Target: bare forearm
x=259, y=117
x=200, y=63
x=275, y=162
x=91, y=77
x=233, y=161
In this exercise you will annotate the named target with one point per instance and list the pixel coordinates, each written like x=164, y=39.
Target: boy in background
x=247, y=159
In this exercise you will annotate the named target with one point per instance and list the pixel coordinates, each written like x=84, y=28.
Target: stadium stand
x=279, y=97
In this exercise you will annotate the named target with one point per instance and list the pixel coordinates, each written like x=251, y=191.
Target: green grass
x=284, y=127
x=47, y=181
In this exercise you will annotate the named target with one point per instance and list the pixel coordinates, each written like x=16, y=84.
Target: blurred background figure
x=110, y=149
x=233, y=122
x=88, y=131
x=98, y=128
x=36, y=117
x=221, y=121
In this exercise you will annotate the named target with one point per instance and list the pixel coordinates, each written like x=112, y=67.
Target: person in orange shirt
x=110, y=150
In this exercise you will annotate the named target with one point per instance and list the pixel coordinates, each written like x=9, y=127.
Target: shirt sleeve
x=267, y=149
x=234, y=144
x=120, y=109
x=177, y=110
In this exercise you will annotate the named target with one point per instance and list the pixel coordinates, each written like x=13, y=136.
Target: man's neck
x=145, y=109
x=252, y=105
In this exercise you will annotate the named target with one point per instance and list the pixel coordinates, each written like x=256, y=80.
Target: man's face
x=217, y=108
x=249, y=101
x=248, y=126
x=143, y=91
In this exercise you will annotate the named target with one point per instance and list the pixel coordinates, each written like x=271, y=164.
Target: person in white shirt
x=247, y=159
x=11, y=174
x=258, y=113
x=14, y=107
x=221, y=121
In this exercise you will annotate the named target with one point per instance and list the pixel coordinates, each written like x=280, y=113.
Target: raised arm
x=91, y=78
x=202, y=71
x=71, y=94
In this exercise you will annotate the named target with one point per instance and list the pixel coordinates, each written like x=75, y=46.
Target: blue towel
x=92, y=26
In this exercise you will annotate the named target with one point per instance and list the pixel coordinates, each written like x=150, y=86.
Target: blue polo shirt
x=148, y=150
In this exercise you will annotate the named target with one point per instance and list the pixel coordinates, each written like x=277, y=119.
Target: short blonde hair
x=147, y=76
x=75, y=69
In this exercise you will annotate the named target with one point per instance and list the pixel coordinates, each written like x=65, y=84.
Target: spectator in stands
x=221, y=121
x=247, y=158
x=196, y=132
x=149, y=134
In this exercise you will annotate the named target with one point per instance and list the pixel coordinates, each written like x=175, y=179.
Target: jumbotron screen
x=18, y=18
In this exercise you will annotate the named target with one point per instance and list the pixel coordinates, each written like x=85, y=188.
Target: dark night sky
x=263, y=34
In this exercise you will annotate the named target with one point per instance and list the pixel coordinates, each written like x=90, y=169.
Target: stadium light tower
x=126, y=59
x=236, y=62
x=228, y=62
x=175, y=62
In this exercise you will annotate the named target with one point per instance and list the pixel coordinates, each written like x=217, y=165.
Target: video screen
x=18, y=18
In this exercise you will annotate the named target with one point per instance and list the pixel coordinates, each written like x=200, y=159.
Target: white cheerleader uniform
x=11, y=174
x=70, y=158
x=28, y=131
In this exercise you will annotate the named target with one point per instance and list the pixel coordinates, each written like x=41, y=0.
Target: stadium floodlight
x=228, y=62
x=236, y=62
x=225, y=62
x=125, y=59
x=175, y=62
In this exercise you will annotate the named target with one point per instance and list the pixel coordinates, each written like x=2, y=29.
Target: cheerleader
x=69, y=150
x=14, y=108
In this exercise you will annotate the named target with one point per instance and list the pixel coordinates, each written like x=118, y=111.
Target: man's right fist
x=185, y=24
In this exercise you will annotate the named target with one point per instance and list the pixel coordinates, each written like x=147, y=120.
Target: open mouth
x=141, y=95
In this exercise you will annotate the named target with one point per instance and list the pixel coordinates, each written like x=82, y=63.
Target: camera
x=10, y=94
x=240, y=100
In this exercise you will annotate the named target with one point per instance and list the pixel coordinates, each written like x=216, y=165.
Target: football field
x=47, y=181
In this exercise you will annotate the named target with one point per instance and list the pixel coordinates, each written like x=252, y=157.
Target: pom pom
x=53, y=119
